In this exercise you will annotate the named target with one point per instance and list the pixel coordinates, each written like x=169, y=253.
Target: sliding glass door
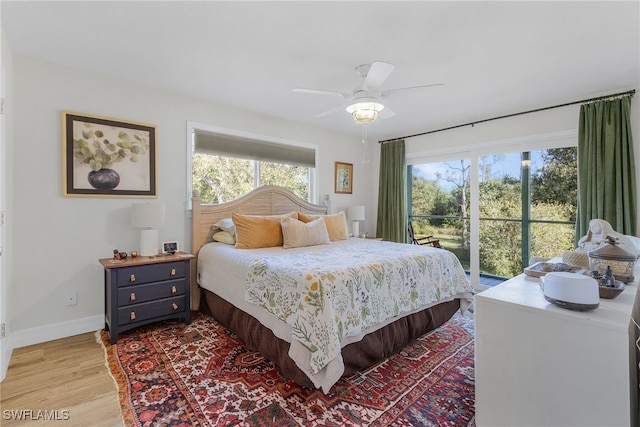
x=523, y=203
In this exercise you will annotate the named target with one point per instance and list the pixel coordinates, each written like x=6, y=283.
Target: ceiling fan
x=367, y=99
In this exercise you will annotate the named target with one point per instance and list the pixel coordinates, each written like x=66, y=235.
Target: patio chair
x=422, y=239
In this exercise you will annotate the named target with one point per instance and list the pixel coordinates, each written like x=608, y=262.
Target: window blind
x=253, y=149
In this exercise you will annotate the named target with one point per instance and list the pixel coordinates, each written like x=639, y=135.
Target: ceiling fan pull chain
x=365, y=153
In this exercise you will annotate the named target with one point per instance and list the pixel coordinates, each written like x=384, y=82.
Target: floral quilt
x=333, y=292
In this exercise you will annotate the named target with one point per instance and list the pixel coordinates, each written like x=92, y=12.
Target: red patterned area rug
x=172, y=374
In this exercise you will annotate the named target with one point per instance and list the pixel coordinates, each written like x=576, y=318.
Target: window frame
x=193, y=126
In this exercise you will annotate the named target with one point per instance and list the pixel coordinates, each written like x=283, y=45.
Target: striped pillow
x=336, y=224
x=296, y=233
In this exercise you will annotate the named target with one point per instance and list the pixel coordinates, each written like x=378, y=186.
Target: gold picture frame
x=106, y=157
x=343, y=178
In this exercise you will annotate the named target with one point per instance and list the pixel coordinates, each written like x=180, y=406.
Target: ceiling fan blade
x=388, y=93
x=323, y=92
x=377, y=75
x=330, y=111
x=386, y=113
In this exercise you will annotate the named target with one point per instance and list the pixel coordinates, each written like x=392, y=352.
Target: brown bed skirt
x=357, y=356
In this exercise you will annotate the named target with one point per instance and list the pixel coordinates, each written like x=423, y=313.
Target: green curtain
x=606, y=167
x=392, y=190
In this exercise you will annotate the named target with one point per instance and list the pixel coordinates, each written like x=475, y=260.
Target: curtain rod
x=615, y=95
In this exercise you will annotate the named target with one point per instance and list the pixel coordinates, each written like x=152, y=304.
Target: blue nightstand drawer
x=150, y=273
x=151, y=291
x=149, y=310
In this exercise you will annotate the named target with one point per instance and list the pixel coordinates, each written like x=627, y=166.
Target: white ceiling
x=494, y=58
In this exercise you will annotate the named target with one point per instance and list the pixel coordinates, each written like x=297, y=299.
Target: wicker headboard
x=266, y=200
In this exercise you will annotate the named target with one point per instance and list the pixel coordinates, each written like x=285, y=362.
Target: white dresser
x=541, y=365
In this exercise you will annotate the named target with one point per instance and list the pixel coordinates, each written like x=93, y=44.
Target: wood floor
x=67, y=378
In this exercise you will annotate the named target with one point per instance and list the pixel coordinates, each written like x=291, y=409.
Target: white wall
x=57, y=240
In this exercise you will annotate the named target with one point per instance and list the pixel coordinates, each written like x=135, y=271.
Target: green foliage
x=295, y=178
x=501, y=248
x=551, y=240
x=432, y=198
x=501, y=198
x=556, y=182
x=221, y=179
x=95, y=150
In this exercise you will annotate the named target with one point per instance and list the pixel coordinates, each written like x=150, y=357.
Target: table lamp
x=147, y=216
x=355, y=214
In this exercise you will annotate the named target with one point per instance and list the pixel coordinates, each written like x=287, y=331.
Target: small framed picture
x=344, y=178
x=169, y=248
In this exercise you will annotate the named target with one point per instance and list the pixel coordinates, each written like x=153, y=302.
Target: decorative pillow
x=259, y=231
x=296, y=233
x=224, y=237
x=226, y=224
x=336, y=224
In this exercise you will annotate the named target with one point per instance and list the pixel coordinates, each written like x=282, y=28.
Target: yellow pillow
x=224, y=237
x=296, y=233
x=259, y=231
x=336, y=224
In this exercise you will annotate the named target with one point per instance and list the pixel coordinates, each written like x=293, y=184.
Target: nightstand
x=143, y=290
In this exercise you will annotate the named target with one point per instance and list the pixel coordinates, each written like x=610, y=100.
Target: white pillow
x=635, y=240
x=224, y=237
x=226, y=224
x=336, y=224
x=296, y=233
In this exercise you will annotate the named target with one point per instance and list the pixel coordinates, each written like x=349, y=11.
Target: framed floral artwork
x=344, y=178
x=105, y=157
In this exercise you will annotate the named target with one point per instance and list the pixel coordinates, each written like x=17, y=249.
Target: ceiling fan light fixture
x=365, y=112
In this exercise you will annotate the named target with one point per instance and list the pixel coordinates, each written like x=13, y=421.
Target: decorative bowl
x=610, y=292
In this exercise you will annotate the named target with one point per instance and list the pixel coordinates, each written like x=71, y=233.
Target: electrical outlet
x=2, y=331
x=70, y=298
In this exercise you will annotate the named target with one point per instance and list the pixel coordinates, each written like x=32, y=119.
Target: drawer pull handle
x=175, y=306
x=132, y=278
x=173, y=271
x=173, y=290
x=133, y=315
x=132, y=297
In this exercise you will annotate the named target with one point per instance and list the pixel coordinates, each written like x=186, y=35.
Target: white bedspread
x=322, y=298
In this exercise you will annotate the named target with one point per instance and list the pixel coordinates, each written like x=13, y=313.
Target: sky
x=501, y=165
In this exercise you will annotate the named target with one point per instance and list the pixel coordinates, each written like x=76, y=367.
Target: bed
x=320, y=311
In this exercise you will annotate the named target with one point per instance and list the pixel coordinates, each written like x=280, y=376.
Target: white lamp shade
x=356, y=213
x=147, y=215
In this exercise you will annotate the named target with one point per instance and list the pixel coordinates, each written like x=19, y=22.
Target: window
x=225, y=165
x=526, y=206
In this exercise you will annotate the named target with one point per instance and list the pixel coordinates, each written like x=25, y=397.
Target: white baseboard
x=56, y=331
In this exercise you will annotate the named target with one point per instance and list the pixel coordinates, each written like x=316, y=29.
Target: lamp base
x=149, y=242
x=355, y=228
